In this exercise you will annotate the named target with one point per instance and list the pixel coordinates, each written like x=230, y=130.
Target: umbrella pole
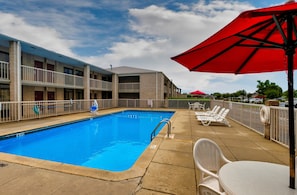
x=290, y=55
x=291, y=127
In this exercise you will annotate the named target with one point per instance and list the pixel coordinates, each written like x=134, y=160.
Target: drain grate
x=3, y=164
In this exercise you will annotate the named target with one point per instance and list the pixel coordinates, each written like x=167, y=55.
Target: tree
x=286, y=93
x=217, y=95
x=239, y=93
x=270, y=90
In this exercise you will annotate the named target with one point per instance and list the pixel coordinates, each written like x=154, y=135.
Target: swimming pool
x=112, y=142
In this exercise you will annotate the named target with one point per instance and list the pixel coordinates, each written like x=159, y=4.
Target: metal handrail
x=165, y=120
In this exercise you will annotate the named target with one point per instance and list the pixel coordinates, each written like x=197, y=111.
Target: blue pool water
x=112, y=142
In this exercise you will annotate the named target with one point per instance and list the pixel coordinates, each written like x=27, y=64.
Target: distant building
x=137, y=83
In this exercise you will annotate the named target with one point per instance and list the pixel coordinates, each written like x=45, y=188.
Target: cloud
x=130, y=35
x=162, y=33
x=46, y=37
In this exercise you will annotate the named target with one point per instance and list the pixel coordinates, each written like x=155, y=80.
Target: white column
x=15, y=74
x=87, y=89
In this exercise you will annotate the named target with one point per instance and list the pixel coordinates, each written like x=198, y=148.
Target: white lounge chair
x=214, y=111
x=218, y=112
x=209, y=158
x=218, y=118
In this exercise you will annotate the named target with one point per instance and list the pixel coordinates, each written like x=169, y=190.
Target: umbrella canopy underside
x=251, y=43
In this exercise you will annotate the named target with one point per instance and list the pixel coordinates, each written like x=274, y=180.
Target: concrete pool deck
x=166, y=167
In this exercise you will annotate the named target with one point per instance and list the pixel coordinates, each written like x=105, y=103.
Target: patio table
x=254, y=177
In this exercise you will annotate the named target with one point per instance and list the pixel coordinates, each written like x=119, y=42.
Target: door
x=38, y=74
x=50, y=73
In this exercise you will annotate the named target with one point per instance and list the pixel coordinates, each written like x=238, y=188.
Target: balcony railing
x=37, y=76
x=31, y=75
x=129, y=87
x=100, y=85
x=4, y=71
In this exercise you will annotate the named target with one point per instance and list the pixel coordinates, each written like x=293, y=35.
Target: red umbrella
x=197, y=92
x=261, y=40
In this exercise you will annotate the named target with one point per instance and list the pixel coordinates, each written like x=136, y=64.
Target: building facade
x=137, y=83
x=31, y=73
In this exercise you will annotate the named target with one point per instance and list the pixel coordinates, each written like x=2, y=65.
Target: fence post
x=267, y=131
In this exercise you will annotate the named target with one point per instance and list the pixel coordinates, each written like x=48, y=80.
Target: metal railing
x=243, y=113
x=165, y=120
x=16, y=111
x=279, y=125
x=175, y=103
x=249, y=116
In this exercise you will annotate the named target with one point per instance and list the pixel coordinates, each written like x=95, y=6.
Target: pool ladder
x=165, y=120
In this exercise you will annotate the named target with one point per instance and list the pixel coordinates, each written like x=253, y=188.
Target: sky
x=140, y=34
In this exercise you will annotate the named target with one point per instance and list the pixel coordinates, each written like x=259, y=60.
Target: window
x=79, y=73
x=4, y=56
x=68, y=70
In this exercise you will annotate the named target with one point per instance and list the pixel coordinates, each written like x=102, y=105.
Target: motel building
x=36, y=82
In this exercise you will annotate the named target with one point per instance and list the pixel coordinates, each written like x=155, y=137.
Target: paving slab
x=167, y=167
x=169, y=179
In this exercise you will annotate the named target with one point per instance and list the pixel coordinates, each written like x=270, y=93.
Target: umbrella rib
x=245, y=61
x=238, y=43
x=282, y=32
x=280, y=29
x=269, y=22
x=273, y=45
x=256, y=49
x=259, y=46
x=214, y=56
x=264, y=41
x=295, y=31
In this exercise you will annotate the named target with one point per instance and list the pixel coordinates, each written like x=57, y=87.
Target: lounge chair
x=209, y=158
x=202, y=117
x=218, y=118
x=209, y=113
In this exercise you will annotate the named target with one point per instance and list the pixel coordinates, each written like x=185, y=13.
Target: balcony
x=37, y=76
x=100, y=85
x=129, y=87
x=42, y=77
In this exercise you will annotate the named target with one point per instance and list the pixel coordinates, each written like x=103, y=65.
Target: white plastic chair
x=202, y=106
x=209, y=158
x=196, y=106
x=208, y=190
x=190, y=105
